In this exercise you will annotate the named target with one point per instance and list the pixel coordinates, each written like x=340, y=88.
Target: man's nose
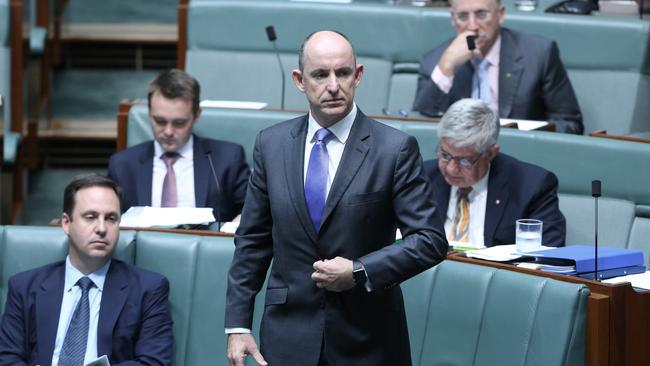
x=101, y=227
x=333, y=84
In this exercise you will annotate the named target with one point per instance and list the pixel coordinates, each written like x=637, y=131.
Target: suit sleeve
x=429, y=99
x=545, y=206
x=424, y=244
x=13, y=330
x=559, y=98
x=253, y=248
x=155, y=340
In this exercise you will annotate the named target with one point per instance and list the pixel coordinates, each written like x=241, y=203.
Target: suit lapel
x=48, y=309
x=510, y=71
x=113, y=299
x=145, y=175
x=354, y=153
x=202, y=172
x=294, y=154
x=497, y=198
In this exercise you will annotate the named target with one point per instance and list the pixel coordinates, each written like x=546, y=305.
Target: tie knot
x=323, y=135
x=85, y=284
x=170, y=157
x=464, y=192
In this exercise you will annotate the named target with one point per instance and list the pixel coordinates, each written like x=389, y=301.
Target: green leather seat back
x=206, y=334
x=640, y=237
x=615, y=220
x=175, y=256
x=484, y=316
x=417, y=296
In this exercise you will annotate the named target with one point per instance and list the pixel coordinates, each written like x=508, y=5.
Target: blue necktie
x=480, y=81
x=73, y=350
x=316, y=180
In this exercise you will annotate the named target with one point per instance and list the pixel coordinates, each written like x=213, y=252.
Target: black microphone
x=471, y=45
x=595, y=193
x=208, y=154
x=270, y=33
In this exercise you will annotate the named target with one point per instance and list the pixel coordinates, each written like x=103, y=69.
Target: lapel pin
x=508, y=75
x=498, y=202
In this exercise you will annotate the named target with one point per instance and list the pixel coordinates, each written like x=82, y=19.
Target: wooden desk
x=618, y=317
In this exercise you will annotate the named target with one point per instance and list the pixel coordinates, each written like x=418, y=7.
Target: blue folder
x=613, y=260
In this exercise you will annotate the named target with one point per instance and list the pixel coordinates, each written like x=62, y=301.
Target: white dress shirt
x=71, y=297
x=477, y=203
x=335, y=146
x=184, y=170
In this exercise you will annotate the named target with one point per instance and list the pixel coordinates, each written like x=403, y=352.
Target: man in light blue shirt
x=72, y=312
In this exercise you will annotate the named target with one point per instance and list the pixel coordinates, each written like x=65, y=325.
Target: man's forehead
x=473, y=4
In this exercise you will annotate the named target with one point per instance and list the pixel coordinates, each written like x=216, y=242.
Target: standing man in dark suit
x=71, y=312
x=327, y=193
x=520, y=75
x=473, y=181
x=174, y=170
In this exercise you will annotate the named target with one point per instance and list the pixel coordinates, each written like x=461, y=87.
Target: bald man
x=328, y=191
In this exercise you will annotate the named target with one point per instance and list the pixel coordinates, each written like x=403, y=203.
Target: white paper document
x=145, y=216
x=641, y=280
x=499, y=253
x=101, y=361
x=236, y=104
x=523, y=124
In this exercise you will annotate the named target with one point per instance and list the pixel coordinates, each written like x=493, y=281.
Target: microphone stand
x=596, y=192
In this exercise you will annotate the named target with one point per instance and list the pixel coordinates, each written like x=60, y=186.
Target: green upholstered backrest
x=483, y=316
x=639, y=237
x=615, y=219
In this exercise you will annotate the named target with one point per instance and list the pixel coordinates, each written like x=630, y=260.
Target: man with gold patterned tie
x=481, y=192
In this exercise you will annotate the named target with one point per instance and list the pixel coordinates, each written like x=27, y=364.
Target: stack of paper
x=167, y=217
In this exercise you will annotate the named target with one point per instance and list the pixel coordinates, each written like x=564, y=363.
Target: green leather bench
x=226, y=48
x=456, y=311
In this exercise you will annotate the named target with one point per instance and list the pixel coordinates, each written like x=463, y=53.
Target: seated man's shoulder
x=139, y=275
x=523, y=170
x=128, y=153
x=529, y=40
x=35, y=276
x=222, y=144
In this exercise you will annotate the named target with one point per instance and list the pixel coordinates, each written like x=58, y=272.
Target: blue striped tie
x=316, y=180
x=73, y=350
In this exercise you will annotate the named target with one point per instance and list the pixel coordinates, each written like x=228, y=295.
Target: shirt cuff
x=443, y=81
x=237, y=330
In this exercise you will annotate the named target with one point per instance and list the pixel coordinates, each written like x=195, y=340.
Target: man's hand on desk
x=333, y=274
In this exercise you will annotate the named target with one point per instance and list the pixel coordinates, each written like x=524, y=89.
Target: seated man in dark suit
x=71, y=312
x=174, y=169
x=481, y=192
x=521, y=75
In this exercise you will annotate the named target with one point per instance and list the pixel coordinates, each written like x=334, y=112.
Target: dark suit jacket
x=516, y=190
x=132, y=169
x=379, y=186
x=533, y=83
x=135, y=325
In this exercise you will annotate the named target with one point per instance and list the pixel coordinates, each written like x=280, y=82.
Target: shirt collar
x=72, y=275
x=493, y=54
x=186, y=151
x=340, y=130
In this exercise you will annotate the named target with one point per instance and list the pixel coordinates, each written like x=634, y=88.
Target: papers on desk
x=641, y=280
x=498, y=253
x=166, y=216
x=235, y=104
x=523, y=124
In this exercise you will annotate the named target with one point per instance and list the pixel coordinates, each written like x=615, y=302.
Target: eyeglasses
x=479, y=15
x=461, y=161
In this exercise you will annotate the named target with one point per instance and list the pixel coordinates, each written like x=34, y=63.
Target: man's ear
x=296, y=74
x=493, y=151
x=65, y=223
x=358, y=75
x=197, y=115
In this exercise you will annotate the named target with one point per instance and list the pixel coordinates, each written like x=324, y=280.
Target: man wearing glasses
x=481, y=192
x=520, y=75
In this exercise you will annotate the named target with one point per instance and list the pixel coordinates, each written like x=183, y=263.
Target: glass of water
x=528, y=235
